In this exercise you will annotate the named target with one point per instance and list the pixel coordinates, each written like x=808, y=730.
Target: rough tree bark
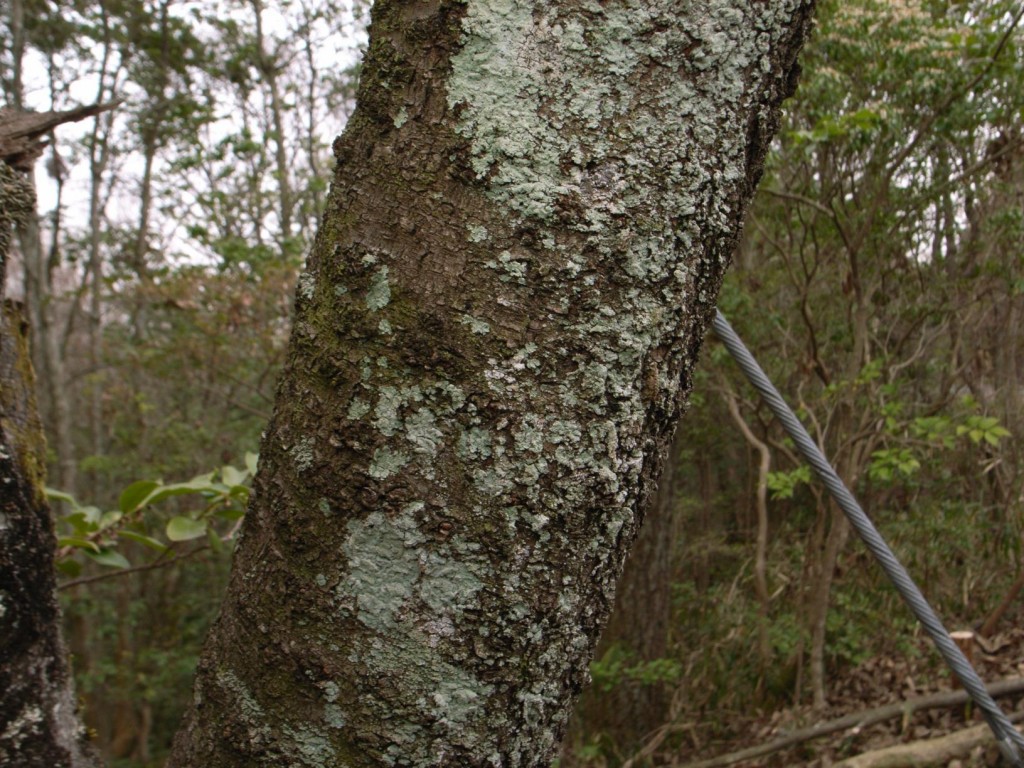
x=532, y=209
x=38, y=722
x=639, y=623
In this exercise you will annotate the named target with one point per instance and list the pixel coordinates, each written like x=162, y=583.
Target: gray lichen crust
x=532, y=211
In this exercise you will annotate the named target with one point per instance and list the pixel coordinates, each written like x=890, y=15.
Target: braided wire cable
x=1010, y=741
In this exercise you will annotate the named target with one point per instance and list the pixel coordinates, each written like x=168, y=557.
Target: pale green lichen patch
x=421, y=430
x=453, y=698
x=491, y=482
x=302, y=454
x=386, y=417
x=474, y=444
x=401, y=118
x=386, y=462
x=453, y=703
x=306, y=285
x=388, y=565
x=510, y=268
x=251, y=710
x=315, y=750
x=476, y=325
x=497, y=74
x=334, y=716
x=477, y=233
x=330, y=690
x=529, y=435
x=392, y=567
x=409, y=418
x=413, y=507
x=449, y=586
x=519, y=57
x=357, y=409
x=379, y=294
x=383, y=567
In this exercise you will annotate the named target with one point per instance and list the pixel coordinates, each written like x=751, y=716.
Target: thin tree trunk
x=761, y=547
x=39, y=296
x=268, y=65
x=519, y=257
x=838, y=533
x=38, y=724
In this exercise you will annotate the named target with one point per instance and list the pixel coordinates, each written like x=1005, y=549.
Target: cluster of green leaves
x=919, y=439
x=783, y=485
x=99, y=535
x=618, y=666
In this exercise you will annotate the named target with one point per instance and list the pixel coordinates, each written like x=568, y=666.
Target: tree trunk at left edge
x=39, y=726
x=532, y=209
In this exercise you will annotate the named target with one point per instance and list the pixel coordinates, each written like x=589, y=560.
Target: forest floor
x=936, y=736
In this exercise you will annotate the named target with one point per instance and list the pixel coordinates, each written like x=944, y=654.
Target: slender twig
x=160, y=562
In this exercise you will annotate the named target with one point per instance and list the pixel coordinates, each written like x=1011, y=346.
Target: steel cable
x=1010, y=741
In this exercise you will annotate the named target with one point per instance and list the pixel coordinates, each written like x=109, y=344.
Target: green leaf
x=185, y=528
x=109, y=557
x=215, y=542
x=178, y=489
x=240, y=493
x=77, y=521
x=135, y=495
x=55, y=495
x=108, y=519
x=784, y=484
x=78, y=543
x=141, y=538
x=232, y=476
x=92, y=514
x=251, y=460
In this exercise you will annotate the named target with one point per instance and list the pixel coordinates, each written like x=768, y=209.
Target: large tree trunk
x=532, y=209
x=38, y=723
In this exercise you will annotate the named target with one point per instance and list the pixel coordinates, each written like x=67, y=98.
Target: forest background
x=879, y=281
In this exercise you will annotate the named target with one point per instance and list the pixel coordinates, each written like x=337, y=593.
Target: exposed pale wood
x=928, y=752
